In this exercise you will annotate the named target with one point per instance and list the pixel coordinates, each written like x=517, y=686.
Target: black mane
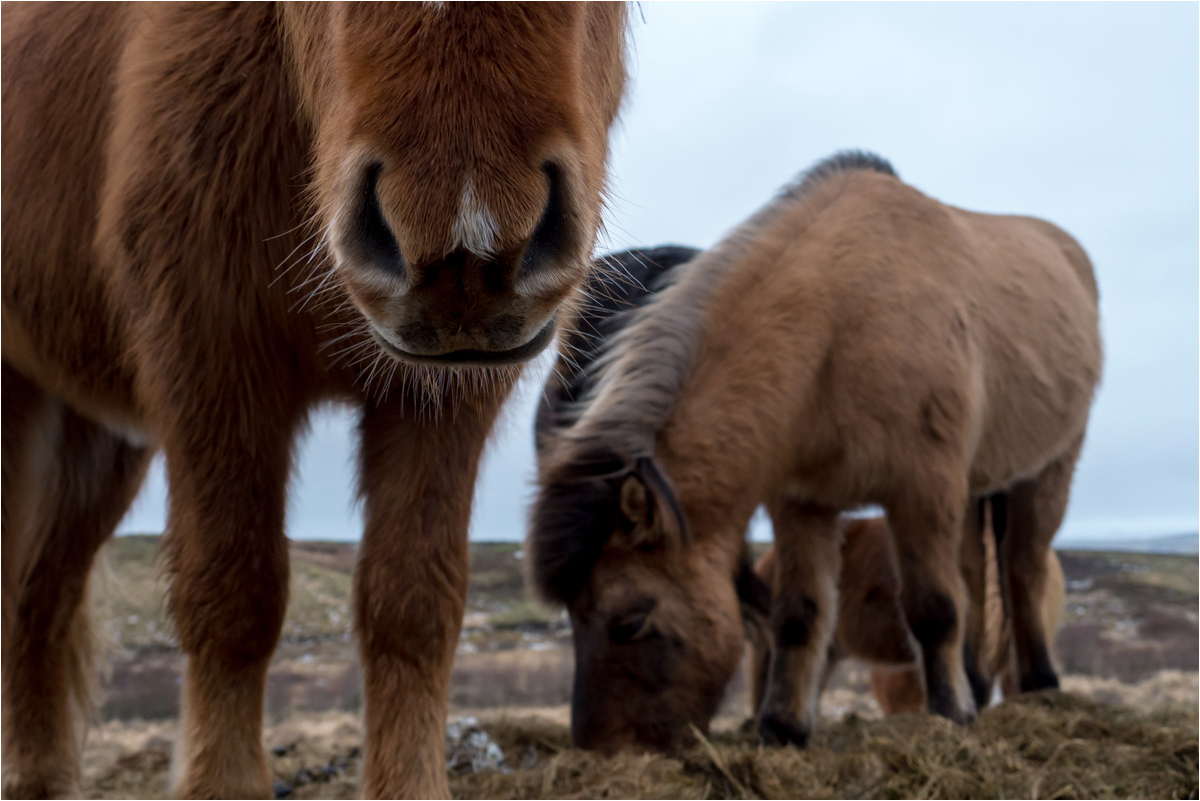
x=571, y=521
x=842, y=161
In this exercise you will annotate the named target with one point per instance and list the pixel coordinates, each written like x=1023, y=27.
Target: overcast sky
x=1086, y=114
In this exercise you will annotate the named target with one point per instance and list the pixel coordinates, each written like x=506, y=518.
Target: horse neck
x=747, y=413
x=706, y=380
x=726, y=442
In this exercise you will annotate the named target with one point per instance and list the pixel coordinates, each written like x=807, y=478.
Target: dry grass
x=1127, y=729
x=1045, y=745
x=1049, y=745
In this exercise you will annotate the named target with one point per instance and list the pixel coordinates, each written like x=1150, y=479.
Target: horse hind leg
x=927, y=527
x=973, y=559
x=1035, y=512
x=72, y=481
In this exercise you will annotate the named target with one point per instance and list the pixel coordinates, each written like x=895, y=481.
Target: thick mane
x=572, y=519
x=619, y=283
x=629, y=392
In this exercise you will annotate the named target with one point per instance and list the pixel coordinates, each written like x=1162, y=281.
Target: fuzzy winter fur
x=217, y=216
x=855, y=342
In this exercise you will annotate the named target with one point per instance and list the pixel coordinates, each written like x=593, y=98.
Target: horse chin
x=470, y=357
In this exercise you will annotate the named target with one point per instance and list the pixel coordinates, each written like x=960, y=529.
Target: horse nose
x=363, y=233
x=558, y=236
x=462, y=271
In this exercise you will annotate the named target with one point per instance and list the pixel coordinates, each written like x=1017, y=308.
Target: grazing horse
x=871, y=626
x=855, y=342
x=216, y=217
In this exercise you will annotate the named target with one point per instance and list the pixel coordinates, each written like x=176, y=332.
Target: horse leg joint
x=981, y=688
x=796, y=628
x=933, y=617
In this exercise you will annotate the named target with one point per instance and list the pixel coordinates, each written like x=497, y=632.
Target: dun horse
x=216, y=216
x=870, y=623
x=854, y=342
x=871, y=627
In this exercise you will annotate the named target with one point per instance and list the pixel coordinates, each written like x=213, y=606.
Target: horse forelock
x=573, y=516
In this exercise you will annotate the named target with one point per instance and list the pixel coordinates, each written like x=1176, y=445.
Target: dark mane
x=571, y=520
x=619, y=283
x=842, y=161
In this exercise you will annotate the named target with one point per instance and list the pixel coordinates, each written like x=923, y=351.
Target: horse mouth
x=475, y=358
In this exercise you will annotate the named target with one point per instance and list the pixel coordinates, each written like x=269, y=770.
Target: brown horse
x=215, y=217
x=854, y=342
x=871, y=627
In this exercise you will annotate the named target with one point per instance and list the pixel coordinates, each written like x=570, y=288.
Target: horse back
x=1001, y=361
x=1036, y=325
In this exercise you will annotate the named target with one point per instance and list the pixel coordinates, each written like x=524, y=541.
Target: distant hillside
x=1127, y=617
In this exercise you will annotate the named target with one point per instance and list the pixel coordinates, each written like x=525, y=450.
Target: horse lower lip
x=467, y=358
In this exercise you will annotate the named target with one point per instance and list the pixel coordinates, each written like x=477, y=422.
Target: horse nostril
x=371, y=236
x=554, y=234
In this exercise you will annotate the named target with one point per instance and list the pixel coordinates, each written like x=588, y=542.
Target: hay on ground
x=1045, y=745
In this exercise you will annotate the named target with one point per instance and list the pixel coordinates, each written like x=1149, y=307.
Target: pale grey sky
x=1087, y=114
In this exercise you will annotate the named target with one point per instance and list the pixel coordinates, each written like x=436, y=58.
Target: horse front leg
x=973, y=559
x=227, y=558
x=417, y=481
x=803, y=618
x=228, y=447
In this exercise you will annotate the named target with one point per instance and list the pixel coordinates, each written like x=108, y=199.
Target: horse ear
x=650, y=508
x=635, y=500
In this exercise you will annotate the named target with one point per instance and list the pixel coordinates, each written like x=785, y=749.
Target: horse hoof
x=779, y=731
x=946, y=706
x=1039, y=680
x=963, y=717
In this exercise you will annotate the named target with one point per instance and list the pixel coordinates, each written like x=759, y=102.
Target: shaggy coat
x=855, y=342
x=216, y=217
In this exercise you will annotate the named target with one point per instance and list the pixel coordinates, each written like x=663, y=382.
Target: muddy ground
x=1128, y=650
